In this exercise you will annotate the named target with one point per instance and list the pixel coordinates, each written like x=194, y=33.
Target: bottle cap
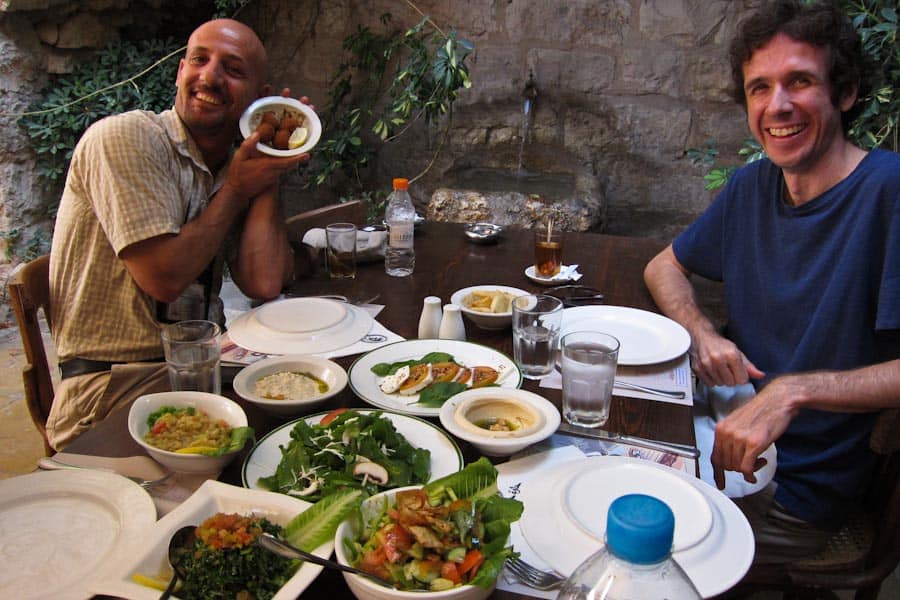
x=639, y=528
x=400, y=183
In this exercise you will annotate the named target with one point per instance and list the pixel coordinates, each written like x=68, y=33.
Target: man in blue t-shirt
x=807, y=243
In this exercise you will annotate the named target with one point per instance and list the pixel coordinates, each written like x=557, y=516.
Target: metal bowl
x=483, y=233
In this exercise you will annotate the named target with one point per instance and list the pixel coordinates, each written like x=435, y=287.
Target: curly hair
x=821, y=23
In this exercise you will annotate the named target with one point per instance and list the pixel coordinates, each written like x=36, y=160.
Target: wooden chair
x=29, y=291
x=866, y=550
x=346, y=212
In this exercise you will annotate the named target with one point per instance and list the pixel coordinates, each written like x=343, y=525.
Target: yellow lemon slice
x=297, y=138
x=150, y=582
x=196, y=450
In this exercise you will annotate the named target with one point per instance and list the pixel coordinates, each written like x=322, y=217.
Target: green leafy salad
x=352, y=450
x=451, y=532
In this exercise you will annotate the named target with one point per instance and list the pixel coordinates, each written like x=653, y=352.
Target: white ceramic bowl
x=461, y=413
x=328, y=371
x=367, y=589
x=486, y=320
x=279, y=104
x=217, y=407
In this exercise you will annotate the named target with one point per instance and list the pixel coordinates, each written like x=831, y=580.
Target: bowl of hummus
x=290, y=385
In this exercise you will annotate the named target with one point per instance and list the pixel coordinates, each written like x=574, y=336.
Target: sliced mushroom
x=371, y=471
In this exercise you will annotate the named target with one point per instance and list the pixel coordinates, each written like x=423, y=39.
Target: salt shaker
x=452, y=326
x=430, y=321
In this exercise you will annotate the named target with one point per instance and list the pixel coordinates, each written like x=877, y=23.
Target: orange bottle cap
x=400, y=183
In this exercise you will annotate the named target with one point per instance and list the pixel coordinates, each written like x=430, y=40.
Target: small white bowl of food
x=455, y=564
x=499, y=421
x=290, y=385
x=189, y=432
x=287, y=126
x=488, y=306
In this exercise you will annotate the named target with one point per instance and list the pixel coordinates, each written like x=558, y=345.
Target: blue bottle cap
x=639, y=528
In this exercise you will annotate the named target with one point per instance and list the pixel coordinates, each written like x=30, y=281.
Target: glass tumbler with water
x=536, y=321
x=588, y=361
x=192, y=356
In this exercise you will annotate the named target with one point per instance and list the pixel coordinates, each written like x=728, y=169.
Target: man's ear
x=848, y=98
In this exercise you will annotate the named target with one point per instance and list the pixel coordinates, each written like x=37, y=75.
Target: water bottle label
x=401, y=235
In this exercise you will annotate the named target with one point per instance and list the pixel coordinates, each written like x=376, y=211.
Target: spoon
x=282, y=548
x=181, y=543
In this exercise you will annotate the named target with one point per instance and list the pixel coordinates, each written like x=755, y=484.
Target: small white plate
x=645, y=338
x=714, y=564
x=210, y=498
x=298, y=333
x=63, y=529
x=446, y=457
x=557, y=279
x=279, y=104
x=364, y=382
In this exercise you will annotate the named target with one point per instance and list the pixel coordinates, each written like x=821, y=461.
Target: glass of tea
x=547, y=251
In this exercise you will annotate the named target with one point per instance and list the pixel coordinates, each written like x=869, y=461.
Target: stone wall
x=624, y=88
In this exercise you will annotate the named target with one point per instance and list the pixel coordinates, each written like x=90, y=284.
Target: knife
x=142, y=467
x=599, y=434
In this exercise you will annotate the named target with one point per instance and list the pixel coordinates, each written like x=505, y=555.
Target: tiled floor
x=21, y=446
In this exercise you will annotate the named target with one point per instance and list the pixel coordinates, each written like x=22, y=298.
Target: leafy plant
x=388, y=81
x=718, y=176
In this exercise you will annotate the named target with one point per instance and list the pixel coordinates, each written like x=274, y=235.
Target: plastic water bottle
x=636, y=563
x=400, y=216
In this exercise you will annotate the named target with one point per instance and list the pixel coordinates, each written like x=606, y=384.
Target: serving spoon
x=181, y=543
x=282, y=548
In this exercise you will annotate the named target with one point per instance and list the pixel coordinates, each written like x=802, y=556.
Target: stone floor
x=21, y=446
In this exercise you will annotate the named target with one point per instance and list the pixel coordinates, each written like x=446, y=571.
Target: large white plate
x=446, y=457
x=62, y=529
x=645, y=338
x=714, y=564
x=364, y=382
x=300, y=326
x=210, y=498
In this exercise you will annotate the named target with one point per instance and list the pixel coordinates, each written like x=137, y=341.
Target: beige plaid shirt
x=133, y=176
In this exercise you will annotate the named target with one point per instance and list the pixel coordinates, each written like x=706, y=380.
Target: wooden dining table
x=446, y=260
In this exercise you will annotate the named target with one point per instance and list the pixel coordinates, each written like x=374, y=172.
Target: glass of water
x=192, y=356
x=589, y=362
x=536, y=321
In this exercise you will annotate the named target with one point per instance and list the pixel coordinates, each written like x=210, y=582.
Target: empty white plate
x=301, y=315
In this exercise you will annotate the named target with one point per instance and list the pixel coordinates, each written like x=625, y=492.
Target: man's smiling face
x=789, y=106
x=221, y=74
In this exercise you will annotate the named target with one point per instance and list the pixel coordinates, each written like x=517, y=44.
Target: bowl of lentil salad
x=189, y=432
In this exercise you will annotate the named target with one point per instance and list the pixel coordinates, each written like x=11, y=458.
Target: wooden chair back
x=29, y=292
x=353, y=211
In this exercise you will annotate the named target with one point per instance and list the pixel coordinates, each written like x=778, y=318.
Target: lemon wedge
x=150, y=582
x=298, y=136
x=196, y=450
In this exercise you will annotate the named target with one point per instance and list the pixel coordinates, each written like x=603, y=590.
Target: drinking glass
x=536, y=320
x=547, y=251
x=340, y=250
x=192, y=356
x=589, y=362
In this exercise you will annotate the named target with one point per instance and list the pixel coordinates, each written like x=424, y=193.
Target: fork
x=48, y=464
x=532, y=576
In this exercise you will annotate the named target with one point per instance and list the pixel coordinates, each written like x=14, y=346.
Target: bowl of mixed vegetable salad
x=189, y=432
x=441, y=541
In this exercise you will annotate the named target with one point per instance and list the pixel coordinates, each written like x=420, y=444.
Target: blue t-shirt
x=809, y=287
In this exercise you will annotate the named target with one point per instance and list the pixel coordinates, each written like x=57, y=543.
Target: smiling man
x=140, y=237
x=807, y=243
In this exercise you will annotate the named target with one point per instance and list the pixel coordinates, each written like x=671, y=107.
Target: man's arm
x=264, y=261
x=745, y=433
x=715, y=360
x=164, y=266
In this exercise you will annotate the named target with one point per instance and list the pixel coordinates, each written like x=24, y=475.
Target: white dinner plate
x=714, y=563
x=300, y=326
x=562, y=277
x=645, y=338
x=63, y=529
x=446, y=457
x=211, y=497
x=364, y=382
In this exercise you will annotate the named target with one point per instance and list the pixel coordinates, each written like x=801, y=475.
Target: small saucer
x=563, y=276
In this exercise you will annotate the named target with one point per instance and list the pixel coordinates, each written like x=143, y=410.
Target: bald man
x=153, y=206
